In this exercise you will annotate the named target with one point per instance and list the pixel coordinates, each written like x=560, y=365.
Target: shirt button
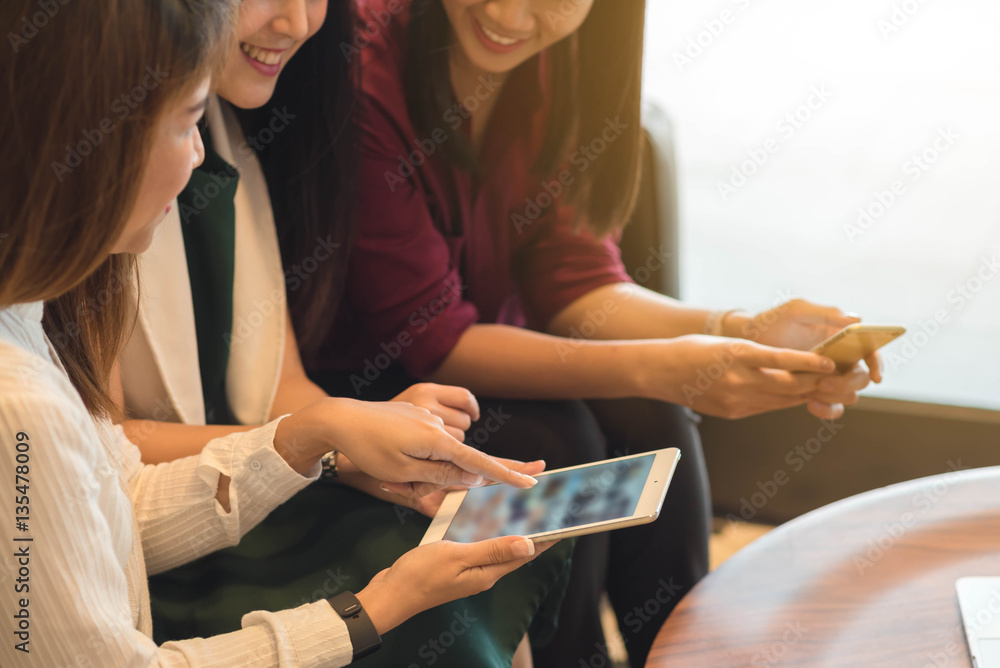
x=255, y=465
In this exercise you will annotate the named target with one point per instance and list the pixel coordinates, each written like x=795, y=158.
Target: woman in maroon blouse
x=501, y=143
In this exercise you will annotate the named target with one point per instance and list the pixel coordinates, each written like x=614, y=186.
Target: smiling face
x=498, y=35
x=175, y=151
x=269, y=34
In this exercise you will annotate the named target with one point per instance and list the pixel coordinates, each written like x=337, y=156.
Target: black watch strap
x=364, y=636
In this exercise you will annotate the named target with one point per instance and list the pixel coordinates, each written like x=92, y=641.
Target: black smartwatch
x=364, y=637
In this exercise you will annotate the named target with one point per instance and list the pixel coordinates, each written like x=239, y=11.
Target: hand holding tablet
x=574, y=501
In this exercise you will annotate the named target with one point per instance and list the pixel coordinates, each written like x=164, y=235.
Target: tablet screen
x=559, y=501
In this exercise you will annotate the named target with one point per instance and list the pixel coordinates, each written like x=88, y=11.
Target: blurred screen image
x=559, y=501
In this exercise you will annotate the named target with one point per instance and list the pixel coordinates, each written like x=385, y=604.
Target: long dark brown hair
x=311, y=172
x=75, y=138
x=596, y=78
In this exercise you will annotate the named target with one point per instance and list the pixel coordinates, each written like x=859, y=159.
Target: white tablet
x=612, y=494
x=979, y=601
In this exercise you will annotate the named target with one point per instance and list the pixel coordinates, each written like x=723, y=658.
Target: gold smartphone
x=856, y=342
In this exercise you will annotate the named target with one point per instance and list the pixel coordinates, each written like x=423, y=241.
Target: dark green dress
x=328, y=538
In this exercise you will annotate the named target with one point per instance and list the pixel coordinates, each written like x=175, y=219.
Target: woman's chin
x=250, y=96
x=140, y=240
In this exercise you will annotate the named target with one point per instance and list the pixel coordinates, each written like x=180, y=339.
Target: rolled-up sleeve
x=72, y=562
x=175, y=506
x=563, y=264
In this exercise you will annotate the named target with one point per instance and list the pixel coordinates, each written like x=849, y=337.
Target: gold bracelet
x=715, y=321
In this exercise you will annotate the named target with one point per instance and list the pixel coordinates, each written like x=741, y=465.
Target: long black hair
x=596, y=79
x=311, y=171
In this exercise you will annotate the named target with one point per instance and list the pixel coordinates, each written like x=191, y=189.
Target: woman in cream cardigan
x=215, y=351
x=91, y=517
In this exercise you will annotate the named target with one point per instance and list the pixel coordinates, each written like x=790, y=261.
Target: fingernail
x=530, y=479
x=852, y=315
x=539, y=461
x=523, y=548
x=471, y=479
x=384, y=489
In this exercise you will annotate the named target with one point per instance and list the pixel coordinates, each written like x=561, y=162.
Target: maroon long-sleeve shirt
x=439, y=249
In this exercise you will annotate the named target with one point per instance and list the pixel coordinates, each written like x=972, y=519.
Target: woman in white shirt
x=88, y=518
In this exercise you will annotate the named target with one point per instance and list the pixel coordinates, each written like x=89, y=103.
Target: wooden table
x=864, y=582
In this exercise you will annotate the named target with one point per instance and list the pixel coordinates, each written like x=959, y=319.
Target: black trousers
x=646, y=570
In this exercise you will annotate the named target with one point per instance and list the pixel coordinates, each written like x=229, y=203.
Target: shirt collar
x=27, y=311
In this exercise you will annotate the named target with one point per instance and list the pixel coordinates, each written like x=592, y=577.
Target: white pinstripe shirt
x=95, y=518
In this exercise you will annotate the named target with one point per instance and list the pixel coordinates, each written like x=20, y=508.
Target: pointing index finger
x=479, y=463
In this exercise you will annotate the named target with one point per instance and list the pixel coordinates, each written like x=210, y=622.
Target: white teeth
x=499, y=39
x=261, y=56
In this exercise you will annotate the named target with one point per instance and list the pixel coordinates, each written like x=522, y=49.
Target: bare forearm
x=166, y=441
x=500, y=360
x=625, y=311
x=294, y=395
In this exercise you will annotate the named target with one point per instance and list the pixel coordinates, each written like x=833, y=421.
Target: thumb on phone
x=787, y=359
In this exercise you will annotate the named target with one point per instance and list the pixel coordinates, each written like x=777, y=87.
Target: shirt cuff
x=260, y=479
x=307, y=636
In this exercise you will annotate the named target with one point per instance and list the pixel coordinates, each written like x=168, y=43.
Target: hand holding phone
x=856, y=342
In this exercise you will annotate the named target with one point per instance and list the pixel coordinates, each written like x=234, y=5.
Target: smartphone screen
x=560, y=500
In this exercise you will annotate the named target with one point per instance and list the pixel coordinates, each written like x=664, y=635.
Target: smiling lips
x=493, y=41
x=265, y=61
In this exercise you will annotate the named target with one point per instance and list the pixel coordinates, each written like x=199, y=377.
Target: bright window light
x=846, y=152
